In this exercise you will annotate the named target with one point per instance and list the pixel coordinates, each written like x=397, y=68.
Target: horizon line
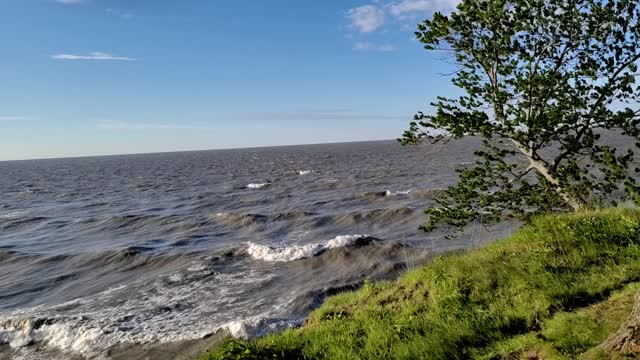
x=194, y=150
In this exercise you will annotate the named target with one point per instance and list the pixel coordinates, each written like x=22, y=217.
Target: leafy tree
x=544, y=81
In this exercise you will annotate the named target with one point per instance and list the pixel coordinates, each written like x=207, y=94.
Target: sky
x=97, y=77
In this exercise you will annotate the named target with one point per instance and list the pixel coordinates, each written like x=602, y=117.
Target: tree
x=543, y=81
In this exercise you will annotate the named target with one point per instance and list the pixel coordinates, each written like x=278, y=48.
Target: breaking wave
x=258, y=185
x=398, y=193
x=297, y=252
x=165, y=310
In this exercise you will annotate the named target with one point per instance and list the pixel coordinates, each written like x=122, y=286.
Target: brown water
x=104, y=252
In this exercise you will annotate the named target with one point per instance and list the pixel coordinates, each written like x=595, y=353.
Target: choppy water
x=161, y=248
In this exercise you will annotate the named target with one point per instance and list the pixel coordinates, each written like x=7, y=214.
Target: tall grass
x=472, y=305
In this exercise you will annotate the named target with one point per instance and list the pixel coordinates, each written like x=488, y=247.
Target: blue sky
x=89, y=77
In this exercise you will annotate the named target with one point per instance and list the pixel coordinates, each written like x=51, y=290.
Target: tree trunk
x=541, y=167
x=627, y=338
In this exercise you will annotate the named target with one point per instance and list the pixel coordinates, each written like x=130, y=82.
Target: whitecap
x=258, y=326
x=258, y=185
x=296, y=252
x=79, y=340
x=398, y=193
x=150, y=312
x=13, y=214
x=195, y=267
x=305, y=172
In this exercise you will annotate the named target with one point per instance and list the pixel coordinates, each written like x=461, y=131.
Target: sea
x=159, y=255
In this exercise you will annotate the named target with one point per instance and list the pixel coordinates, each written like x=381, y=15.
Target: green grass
x=537, y=293
x=570, y=335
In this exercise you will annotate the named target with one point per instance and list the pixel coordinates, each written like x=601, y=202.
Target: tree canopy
x=543, y=81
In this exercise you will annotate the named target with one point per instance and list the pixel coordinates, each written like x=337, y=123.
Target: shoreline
x=555, y=290
x=182, y=350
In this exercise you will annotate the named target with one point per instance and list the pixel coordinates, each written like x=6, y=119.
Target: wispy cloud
x=124, y=14
x=70, y=2
x=126, y=125
x=12, y=118
x=92, y=56
x=367, y=46
x=366, y=18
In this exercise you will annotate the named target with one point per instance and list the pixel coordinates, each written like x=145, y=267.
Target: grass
x=570, y=335
x=554, y=290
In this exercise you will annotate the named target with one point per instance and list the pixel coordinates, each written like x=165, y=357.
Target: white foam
x=257, y=185
x=398, y=193
x=161, y=311
x=195, y=267
x=75, y=339
x=16, y=333
x=305, y=172
x=296, y=252
x=238, y=329
x=257, y=326
x=112, y=289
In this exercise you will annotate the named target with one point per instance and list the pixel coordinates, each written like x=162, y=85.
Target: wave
x=297, y=252
x=246, y=220
x=166, y=310
x=128, y=259
x=72, y=338
x=8, y=256
x=258, y=326
x=291, y=215
x=177, y=306
x=398, y=193
x=382, y=195
x=122, y=260
x=121, y=221
x=370, y=195
x=258, y=185
x=427, y=193
x=141, y=223
x=377, y=215
x=240, y=220
x=17, y=222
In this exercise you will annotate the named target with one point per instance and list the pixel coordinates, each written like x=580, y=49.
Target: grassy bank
x=554, y=290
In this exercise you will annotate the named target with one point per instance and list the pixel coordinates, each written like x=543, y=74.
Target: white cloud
x=409, y=7
x=366, y=18
x=367, y=46
x=70, y=2
x=92, y=56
